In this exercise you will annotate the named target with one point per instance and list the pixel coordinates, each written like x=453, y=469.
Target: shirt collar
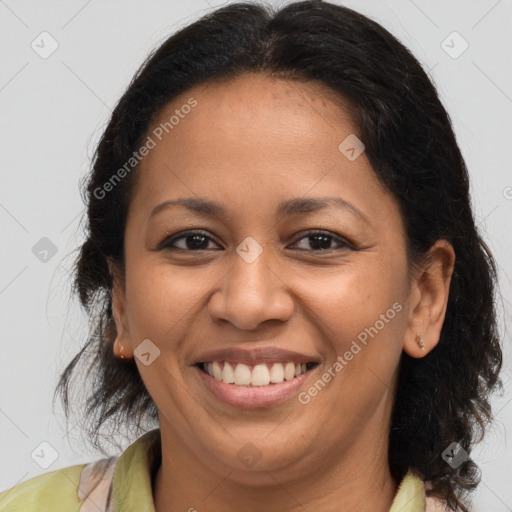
x=135, y=469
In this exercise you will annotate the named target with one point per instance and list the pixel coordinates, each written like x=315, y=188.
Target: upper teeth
x=257, y=375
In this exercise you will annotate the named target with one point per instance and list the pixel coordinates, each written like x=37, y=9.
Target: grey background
x=52, y=113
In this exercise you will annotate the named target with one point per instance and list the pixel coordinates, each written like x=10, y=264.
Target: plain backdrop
x=53, y=109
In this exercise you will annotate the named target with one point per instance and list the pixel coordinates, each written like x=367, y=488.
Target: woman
x=284, y=274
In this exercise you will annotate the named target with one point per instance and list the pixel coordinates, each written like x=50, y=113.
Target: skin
x=249, y=144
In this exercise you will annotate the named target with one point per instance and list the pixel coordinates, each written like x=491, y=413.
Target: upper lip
x=255, y=356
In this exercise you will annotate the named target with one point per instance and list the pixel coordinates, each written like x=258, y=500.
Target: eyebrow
x=289, y=208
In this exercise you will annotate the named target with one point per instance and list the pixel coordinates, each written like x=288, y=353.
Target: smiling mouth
x=257, y=375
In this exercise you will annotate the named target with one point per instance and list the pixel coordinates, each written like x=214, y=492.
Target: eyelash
x=166, y=242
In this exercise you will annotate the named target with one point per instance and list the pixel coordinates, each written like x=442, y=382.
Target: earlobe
x=121, y=344
x=430, y=291
x=119, y=350
x=417, y=348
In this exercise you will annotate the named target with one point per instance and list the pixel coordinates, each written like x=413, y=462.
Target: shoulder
x=61, y=490
x=50, y=491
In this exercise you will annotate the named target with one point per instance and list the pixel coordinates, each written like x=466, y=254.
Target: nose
x=250, y=294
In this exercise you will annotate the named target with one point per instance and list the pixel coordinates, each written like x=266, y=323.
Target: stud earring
x=419, y=341
x=120, y=349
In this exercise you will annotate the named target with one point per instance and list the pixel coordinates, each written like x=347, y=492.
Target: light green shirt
x=124, y=484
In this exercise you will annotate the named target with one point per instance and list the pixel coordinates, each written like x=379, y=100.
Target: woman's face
x=257, y=288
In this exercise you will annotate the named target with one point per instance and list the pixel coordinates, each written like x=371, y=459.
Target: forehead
x=237, y=95
x=272, y=137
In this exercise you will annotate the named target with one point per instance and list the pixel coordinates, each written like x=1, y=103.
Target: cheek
x=158, y=298
x=360, y=316
x=352, y=298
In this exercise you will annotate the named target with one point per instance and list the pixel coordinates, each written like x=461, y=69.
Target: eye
x=191, y=241
x=321, y=241
x=198, y=241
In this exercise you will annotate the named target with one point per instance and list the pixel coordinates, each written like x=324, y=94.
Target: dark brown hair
x=441, y=398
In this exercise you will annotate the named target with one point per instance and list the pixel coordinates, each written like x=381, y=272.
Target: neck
x=359, y=481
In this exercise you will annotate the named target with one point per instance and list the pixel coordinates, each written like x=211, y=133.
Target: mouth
x=255, y=384
x=255, y=375
x=257, y=378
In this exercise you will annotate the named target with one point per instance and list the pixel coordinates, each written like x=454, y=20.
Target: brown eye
x=322, y=240
x=192, y=241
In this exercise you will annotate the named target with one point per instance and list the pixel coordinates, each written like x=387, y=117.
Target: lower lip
x=253, y=397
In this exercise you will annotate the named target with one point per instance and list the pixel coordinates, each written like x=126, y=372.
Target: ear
x=119, y=311
x=429, y=298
